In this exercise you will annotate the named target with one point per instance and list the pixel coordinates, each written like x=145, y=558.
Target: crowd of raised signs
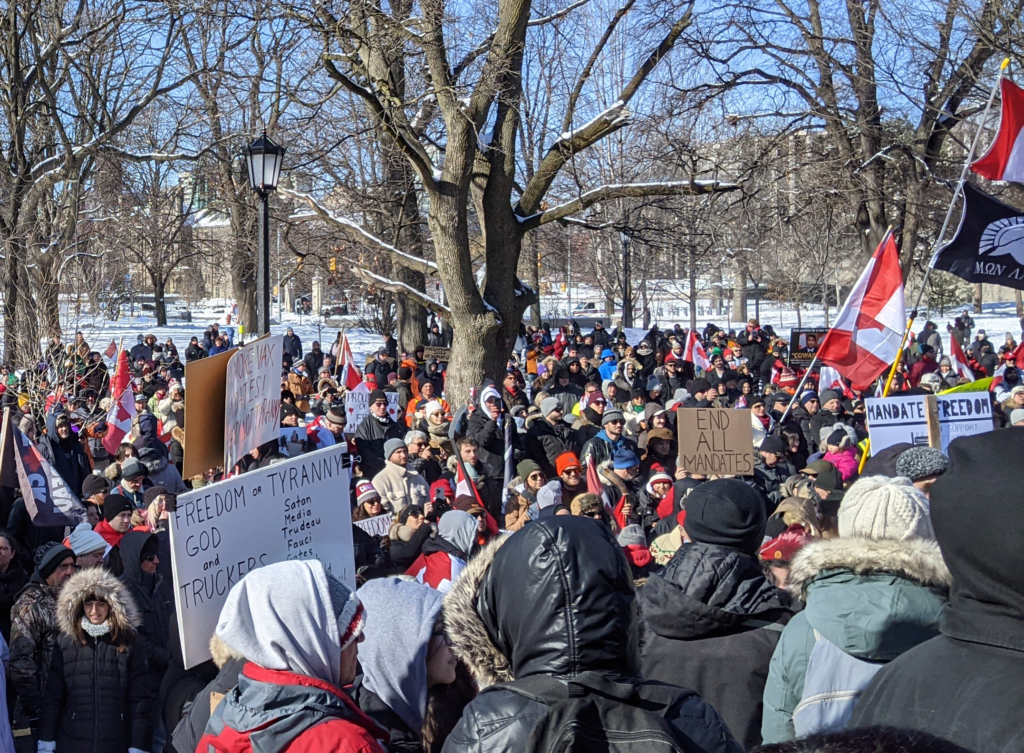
x=536, y=569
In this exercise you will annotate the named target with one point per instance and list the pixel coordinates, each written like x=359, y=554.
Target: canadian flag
x=959, y=360
x=695, y=353
x=122, y=405
x=1004, y=159
x=865, y=339
x=351, y=377
x=830, y=379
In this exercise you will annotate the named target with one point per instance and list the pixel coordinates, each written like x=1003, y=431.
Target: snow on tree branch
x=625, y=190
x=400, y=288
x=360, y=234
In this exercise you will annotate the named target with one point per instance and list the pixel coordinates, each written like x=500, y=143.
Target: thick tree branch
x=623, y=191
x=400, y=288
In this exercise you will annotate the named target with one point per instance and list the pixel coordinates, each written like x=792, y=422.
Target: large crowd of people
x=548, y=577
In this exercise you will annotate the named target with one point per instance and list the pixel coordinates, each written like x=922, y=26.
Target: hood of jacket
x=394, y=655
x=95, y=581
x=131, y=557
x=874, y=599
x=458, y=528
x=705, y=590
x=581, y=614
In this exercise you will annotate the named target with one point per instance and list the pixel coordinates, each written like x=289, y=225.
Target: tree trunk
x=529, y=270
x=739, y=294
x=978, y=298
x=1019, y=303
x=48, y=303
x=243, y=284
x=159, y=301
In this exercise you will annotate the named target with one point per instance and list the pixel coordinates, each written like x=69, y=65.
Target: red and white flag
x=830, y=379
x=122, y=405
x=694, y=352
x=350, y=374
x=111, y=349
x=865, y=339
x=1004, y=159
x=959, y=360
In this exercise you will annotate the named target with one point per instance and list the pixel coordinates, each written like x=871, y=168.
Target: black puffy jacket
x=98, y=699
x=154, y=598
x=710, y=621
x=371, y=435
x=11, y=584
x=581, y=618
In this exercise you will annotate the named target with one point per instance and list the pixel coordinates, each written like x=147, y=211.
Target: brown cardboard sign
x=715, y=441
x=442, y=355
x=205, y=383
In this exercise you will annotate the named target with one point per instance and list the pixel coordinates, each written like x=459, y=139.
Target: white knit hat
x=877, y=507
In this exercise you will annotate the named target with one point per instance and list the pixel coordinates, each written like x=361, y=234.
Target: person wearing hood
x=34, y=629
x=444, y=556
x=627, y=377
x=146, y=433
x=608, y=366
x=99, y=694
x=64, y=452
x=160, y=472
x=373, y=431
x=520, y=657
x=298, y=628
x=966, y=685
x=830, y=412
x=402, y=659
x=140, y=558
x=549, y=436
x=873, y=593
x=710, y=618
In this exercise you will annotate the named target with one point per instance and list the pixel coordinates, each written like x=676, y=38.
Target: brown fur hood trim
x=179, y=434
x=918, y=560
x=466, y=631
x=96, y=581
x=221, y=652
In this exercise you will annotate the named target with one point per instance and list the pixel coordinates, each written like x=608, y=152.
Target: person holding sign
x=299, y=629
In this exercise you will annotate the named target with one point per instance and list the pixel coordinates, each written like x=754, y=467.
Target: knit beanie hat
x=808, y=396
x=432, y=407
x=828, y=395
x=566, y=461
x=376, y=395
x=348, y=609
x=632, y=534
x=921, y=462
x=611, y=415
x=876, y=507
x=132, y=469
x=726, y=512
x=94, y=484
x=150, y=495
x=623, y=458
x=84, y=540
x=526, y=467
x=365, y=492
x=114, y=505
x=391, y=446
x=549, y=404
x=49, y=556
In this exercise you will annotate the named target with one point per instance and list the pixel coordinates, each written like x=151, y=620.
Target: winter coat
x=405, y=551
x=154, y=598
x=759, y=430
x=66, y=456
x=293, y=346
x=11, y=584
x=546, y=441
x=711, y=621
x=398, y=487
x=824, y=418
x=33, y=632
x=872, y=599
x=845, y=462
x=489, y=434
x=769, y=481
x=370, y=437
x=551, y=563
x=160, y=472
x=194, y=352
x=99, y=695
x=599, y=449
x=289, y=712
x=172, y=413
x=193, y=722
x=314, y=360
x=302, y=388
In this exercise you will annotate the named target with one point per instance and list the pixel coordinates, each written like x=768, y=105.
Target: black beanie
x=114, y=505
x=94, y=484
x=980, y=541
x=49, y=556
x=376, y=395
x=150, y=495
x=726, y=512
x=404, y=372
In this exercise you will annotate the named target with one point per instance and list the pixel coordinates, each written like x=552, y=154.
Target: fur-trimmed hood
x=222, y=653
x=555, y=598
x=96, y=581
x=917, y=560
x=874, y=599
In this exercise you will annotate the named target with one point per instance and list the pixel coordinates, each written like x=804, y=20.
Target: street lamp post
x=263, y=158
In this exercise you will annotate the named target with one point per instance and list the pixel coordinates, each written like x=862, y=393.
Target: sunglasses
x=149, y=558
x=571, y=472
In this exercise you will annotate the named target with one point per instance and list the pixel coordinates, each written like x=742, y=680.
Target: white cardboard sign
x=294, y=510
x=892, y=420
x=252, y=403
x=357, y=406
x=376, y=526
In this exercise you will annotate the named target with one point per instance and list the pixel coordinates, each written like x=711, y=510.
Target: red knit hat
x=445, y=488
x=565, y=461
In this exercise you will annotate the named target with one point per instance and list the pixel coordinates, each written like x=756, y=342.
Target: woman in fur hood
x=100, y=696
x=872, y=594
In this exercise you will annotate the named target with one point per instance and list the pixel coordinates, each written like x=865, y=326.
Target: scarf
x=109, y=535
x=95, y=630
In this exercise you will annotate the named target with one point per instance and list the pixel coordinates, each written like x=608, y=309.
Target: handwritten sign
x=357, y=405
x=252, y=403
x=442, y=355
x=715, y=441
x=928, y=420
x=376, y=526
x=204, y=413
x=294, y=510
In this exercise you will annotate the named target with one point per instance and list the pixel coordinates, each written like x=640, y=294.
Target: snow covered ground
x=997, y=319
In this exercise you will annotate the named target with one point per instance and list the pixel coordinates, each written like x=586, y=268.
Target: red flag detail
x=1004, y=159
x=111, y=350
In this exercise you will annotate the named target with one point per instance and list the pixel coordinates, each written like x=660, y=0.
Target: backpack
x=833, y=683
x=593, y=714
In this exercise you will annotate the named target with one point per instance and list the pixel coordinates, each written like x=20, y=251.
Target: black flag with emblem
x=988, y=245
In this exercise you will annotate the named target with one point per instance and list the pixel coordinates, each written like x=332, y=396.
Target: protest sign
x=204, y=413
x=715, y=441
x=803, y=344
x=252, y=398
x=294, y=510
x=376, y=526
x=442, y=355
x=927, y=419
x=357, y=407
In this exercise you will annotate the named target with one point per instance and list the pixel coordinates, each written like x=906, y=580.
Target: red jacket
x=920, y=368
